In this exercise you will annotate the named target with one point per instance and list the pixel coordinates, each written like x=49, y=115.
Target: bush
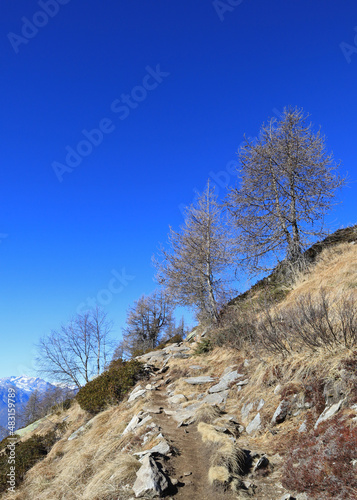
x=111, y=386
x=27, y=453
x=235, y=329
x=320, y=462
x=203, y=347
x=310, y=322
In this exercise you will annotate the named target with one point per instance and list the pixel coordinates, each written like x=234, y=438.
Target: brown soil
x=190, y=457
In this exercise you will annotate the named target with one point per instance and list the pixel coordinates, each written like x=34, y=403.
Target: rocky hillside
x=210, y=422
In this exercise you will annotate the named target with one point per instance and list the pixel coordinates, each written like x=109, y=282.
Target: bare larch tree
x=287, y=184
x=147, y=320
x=193, y=270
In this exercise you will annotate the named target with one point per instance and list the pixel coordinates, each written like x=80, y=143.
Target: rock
x=243, y=382
x=281, y=412
x=204, y=379
x=217, y=398
x=150, y=387
x=181, y=355
x=301, y=496
x=137, y=394
x=175, y=348
x=225, y=382
x=163, y=448
x=261, y=464
x=81, y=430
x=260, y=404
x=302, y=427
x=334, y=390
x=153, y=409
x=177, y=399
x=150, y=481
x=196, y=367
x=287, y=496
x=254, y=425
x=329, y=412
x=246, y=409
x=137, y=421
x=246, y=363
x=277, y=389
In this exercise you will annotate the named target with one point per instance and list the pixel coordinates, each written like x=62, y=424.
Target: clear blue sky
x=173, y=87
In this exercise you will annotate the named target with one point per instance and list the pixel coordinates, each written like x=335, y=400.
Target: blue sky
x=171, y=87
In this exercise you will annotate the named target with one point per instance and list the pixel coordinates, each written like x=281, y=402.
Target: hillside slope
x=227, y=423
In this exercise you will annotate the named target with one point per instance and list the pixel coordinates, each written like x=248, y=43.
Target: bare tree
x=146, y=321
x=287, y=184
x=194, y=269
x=77, y=351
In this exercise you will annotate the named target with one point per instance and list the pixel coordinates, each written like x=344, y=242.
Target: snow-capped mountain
x=23, y=386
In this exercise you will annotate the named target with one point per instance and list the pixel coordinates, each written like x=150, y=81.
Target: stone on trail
x=204, y=379
x=163, y=448
x=136, y=395
x=217, y=398
x=225, y=381
x=177, y=399
x=150, y=481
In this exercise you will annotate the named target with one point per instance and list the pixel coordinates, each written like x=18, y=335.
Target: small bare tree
x=147, y=320
x=194, y=269
x=287, y=184
x=77, y=351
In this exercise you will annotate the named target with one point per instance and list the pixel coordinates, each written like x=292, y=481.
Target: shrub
x=111, y=386
x=320, y=462
x=27, y=454
x=236, y=329
x=310, y=322
x=203, y=347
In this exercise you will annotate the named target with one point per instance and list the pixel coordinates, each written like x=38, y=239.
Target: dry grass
x=219, y=474
x=91, y=467
x=207, y=413
x=335, y=270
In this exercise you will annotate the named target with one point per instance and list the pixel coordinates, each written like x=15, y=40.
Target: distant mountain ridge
x=24, y=386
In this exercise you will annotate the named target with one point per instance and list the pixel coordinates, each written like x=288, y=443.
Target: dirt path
x=192, y=457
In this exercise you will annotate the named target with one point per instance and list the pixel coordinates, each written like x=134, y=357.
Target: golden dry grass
x=91, y=467
x=207, y=413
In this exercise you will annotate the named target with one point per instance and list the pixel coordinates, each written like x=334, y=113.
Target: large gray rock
x=137, y=421
x=217, y=398
x=225, y=382
x=204, y=379
x=163, y=448
x=281, y=412
x=329, y=412
x=135, y=395
x=254, y=425
x=150, y=481
x=177, y=399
